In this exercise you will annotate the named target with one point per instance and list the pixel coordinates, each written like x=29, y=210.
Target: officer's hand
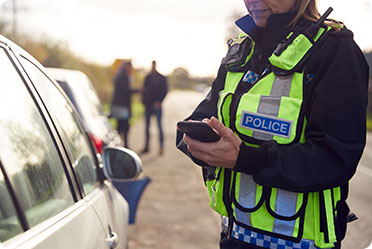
x=223, y=153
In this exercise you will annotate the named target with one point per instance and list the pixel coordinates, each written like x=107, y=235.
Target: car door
x=110, y=207
x=40, y=207
x=113, y=211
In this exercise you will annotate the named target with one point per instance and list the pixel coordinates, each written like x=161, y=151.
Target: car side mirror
x=121, y=163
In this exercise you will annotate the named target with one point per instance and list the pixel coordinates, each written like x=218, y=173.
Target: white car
x=55, y=191
x=83, y=96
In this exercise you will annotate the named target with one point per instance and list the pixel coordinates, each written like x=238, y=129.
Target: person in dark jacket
x=289, y=103
x=155, y=88
x=121, y=101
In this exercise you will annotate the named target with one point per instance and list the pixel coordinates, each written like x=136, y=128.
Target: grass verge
x=369, y=122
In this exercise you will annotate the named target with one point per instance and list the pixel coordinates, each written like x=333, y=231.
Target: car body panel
x=77, y=227
x=109, y=199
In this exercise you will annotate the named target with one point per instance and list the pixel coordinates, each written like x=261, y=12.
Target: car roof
x=68, y=76
x=17, y=49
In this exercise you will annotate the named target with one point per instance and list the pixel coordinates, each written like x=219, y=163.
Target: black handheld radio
x=310, y=32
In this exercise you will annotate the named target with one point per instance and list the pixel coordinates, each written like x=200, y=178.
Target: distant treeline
x=56, y=54
x=51, y=53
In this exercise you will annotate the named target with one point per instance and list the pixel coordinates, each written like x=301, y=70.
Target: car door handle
x=112, y=239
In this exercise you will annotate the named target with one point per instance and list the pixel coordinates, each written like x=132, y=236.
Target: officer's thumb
x=219, y=127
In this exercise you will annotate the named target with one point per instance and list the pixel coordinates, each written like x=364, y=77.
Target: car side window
x=78, y=147
x=28, y=155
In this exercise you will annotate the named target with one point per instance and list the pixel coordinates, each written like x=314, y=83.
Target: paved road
x=359, y=234
x=174, y=211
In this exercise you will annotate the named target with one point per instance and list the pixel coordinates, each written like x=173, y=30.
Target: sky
x=176, y=33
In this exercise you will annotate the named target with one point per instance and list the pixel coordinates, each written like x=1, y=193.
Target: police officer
x=289, y=103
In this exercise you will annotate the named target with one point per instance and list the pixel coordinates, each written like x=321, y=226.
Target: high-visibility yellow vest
x=271, y=110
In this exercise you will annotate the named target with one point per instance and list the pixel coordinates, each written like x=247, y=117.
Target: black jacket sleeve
x=206, y=109
x=336, y=128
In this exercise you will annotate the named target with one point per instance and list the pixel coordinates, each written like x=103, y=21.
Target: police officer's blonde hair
x=309, y=10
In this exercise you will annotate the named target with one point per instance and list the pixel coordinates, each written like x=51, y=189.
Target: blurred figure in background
x=155, y=88
x=121, y=101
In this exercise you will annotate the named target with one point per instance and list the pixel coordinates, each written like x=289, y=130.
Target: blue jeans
x=149, y=111
x=123, y=129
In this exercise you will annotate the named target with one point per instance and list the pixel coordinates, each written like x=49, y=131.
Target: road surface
x=174, y=210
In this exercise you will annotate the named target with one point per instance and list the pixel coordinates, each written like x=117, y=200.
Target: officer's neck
x=277, y=27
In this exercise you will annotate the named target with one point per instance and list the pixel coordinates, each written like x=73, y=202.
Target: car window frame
x=97, y=163
x=44, y=112
x=10, y=53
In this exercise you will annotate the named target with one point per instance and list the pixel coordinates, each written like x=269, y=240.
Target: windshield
x=83, y=96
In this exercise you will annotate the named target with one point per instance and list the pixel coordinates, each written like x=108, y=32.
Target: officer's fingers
x=222, y=153
x=235, y=140
x=193, y=144
x=225, y=132
x=188, y=140
x=222, y=130
x=201, y=154
x=208, y=121
x=205, y=156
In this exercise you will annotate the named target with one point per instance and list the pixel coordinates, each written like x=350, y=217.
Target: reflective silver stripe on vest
x=247, y=197
x=282, y=86
x=285, y=205
x=269, y=105
x=285, y=201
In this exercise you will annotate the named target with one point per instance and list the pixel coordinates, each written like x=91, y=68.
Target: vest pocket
x=265, y=118
x=249, y=196
x=270, y=211
x=288, y=210
x=286, y=205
